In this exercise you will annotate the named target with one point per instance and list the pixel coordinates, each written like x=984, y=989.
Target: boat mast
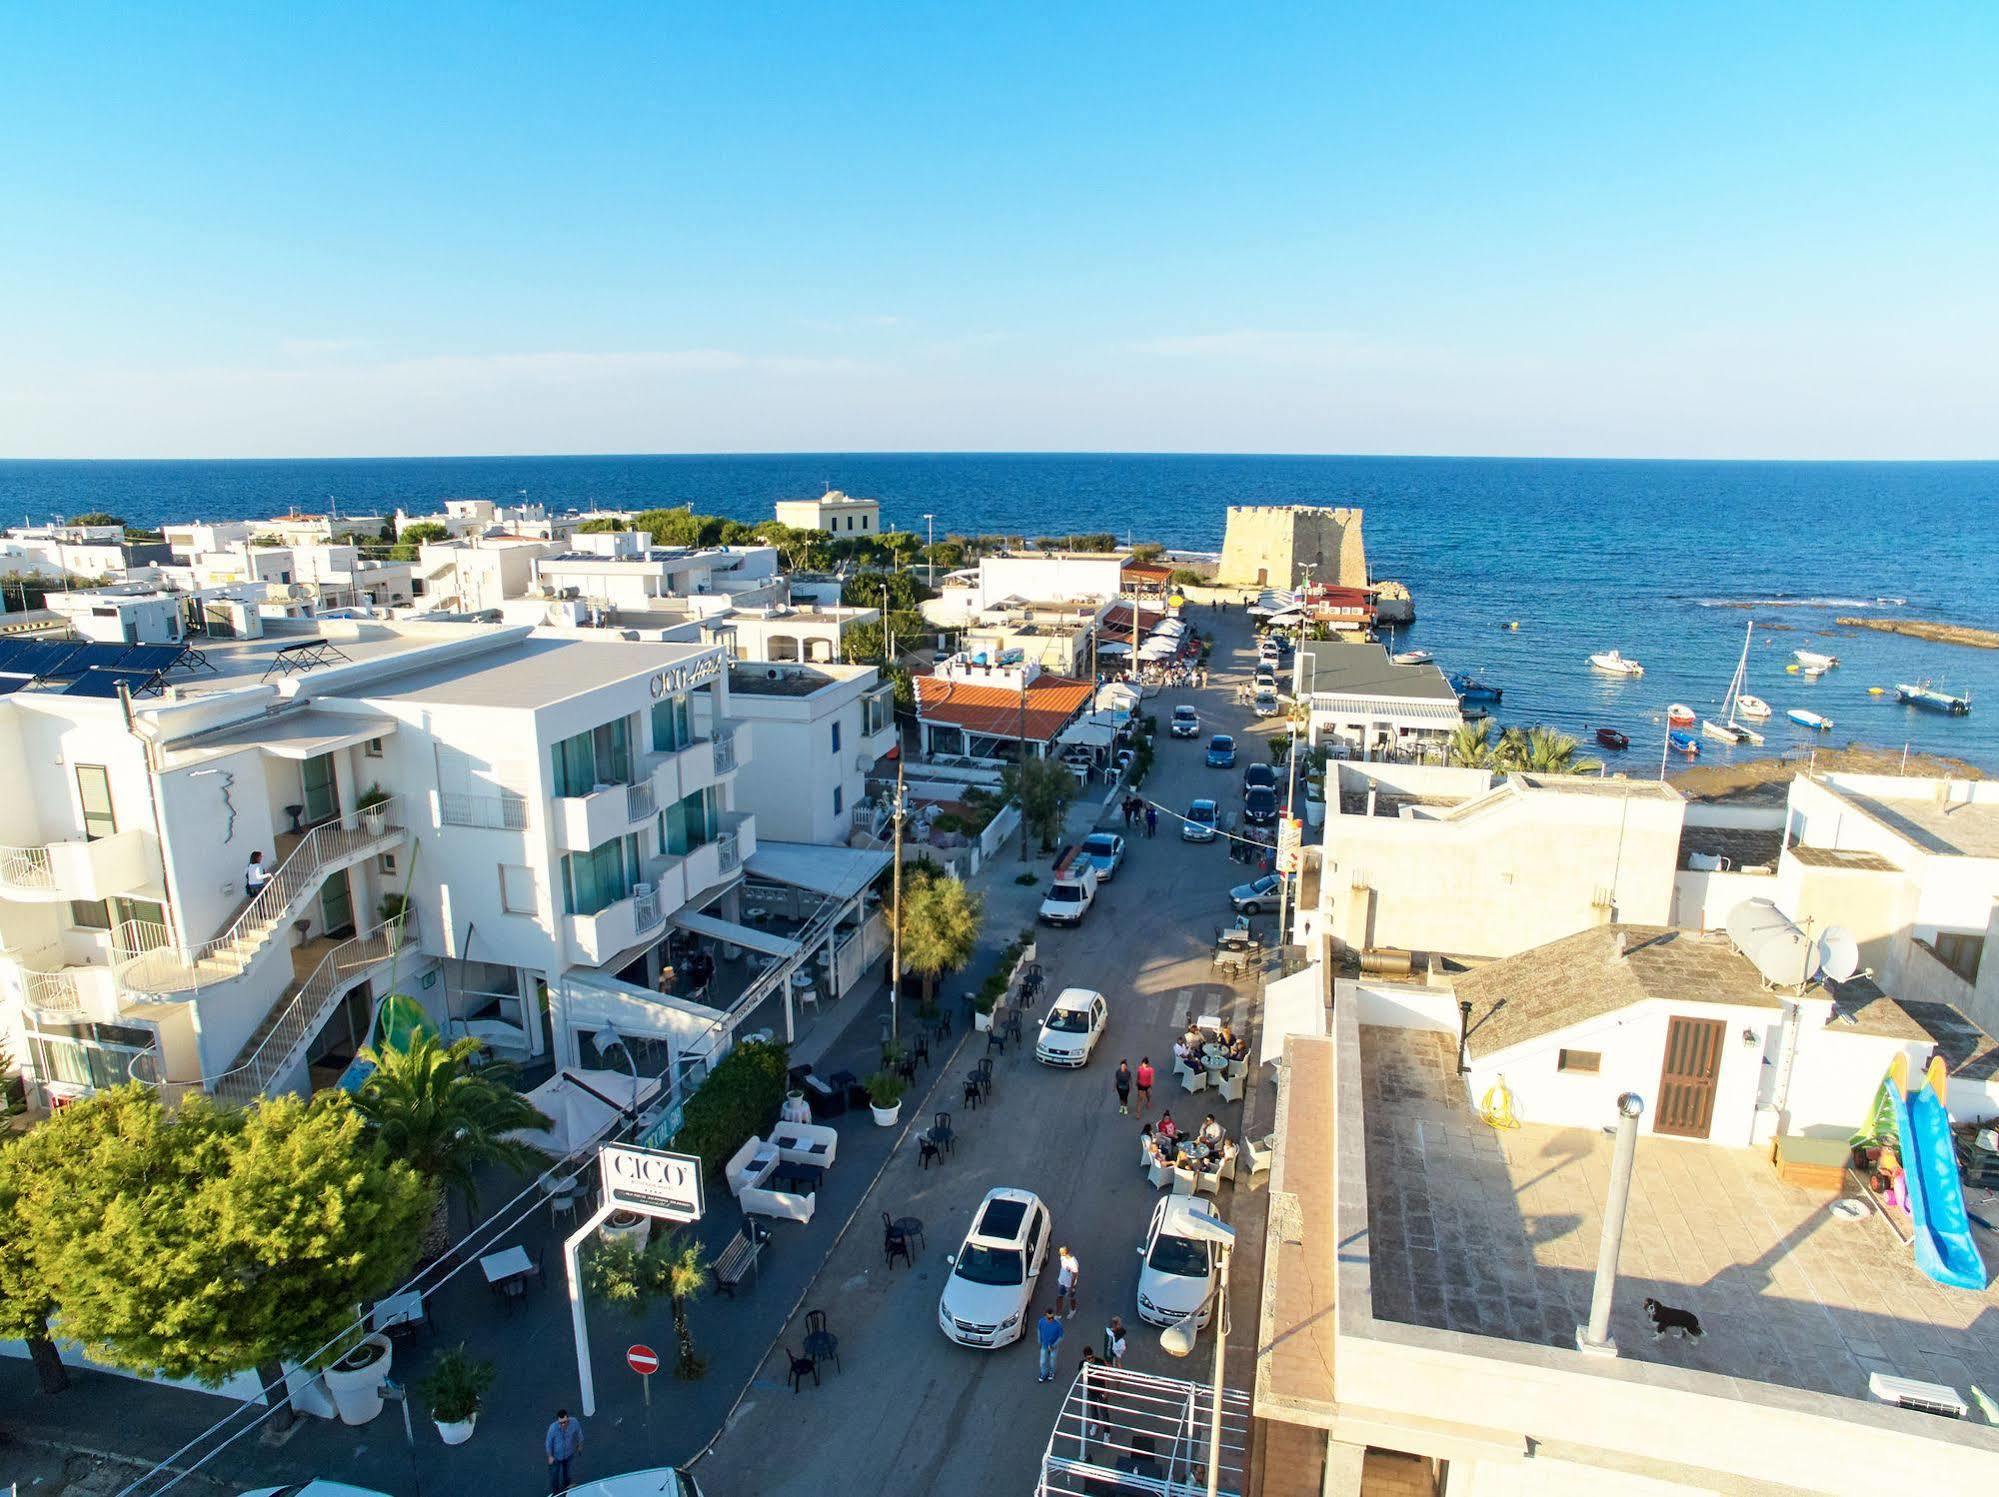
x=1741, y=677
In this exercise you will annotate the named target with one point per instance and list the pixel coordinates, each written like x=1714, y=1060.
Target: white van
x=1074, y=890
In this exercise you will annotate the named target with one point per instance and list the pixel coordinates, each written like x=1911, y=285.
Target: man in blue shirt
x=563, y=1440
x=1050, y=1332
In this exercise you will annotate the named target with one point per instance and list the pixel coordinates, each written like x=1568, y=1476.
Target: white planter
x=372, y=822
x=357, y=1391
x=635, y=1232
x=886, y=1117
x=983, y=1022
x=457, y=1432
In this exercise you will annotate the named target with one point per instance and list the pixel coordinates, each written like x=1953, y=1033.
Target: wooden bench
x=740, y=1256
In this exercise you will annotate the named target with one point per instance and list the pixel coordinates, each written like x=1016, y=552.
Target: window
x=838, y=801
x=93, y=793
x=836, y=735
x=373, y=747
x=672, y=723
x=1961, y=952
x=92, y=1055
x=90, y=914
x=386, y=864
x=602, y=756
x=517, y=892
x=595, y=880
x=689, y=822
x=1587, y=1062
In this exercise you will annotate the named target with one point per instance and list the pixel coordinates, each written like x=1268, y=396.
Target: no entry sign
x=644, y=1360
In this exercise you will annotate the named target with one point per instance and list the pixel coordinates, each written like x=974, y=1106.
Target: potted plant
x=893, y=1052
x=626, y=1226
x=885, y=1098
x=371, y=804
x=354, y=1376
x=452, y=1390
x=395, y=911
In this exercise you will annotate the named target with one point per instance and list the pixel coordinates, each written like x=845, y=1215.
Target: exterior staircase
x=171, y=974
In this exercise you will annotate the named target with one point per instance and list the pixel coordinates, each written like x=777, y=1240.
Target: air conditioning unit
x=1912, y=1393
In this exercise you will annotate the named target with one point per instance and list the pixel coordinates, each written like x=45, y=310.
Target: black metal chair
x=972, y=1091
x=940, y=1027
x=894, y=1241
x=906, y=1068
x=920, y=1048
x=940, y=1129
x=821, y=1345
x=802, y=1368
x=927, y=1149
x=984, y=1071
x=996, y=1038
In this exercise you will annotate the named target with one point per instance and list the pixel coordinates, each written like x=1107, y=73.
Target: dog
x=1665, y=1318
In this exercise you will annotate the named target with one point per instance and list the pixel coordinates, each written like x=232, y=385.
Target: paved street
x=913, y=1414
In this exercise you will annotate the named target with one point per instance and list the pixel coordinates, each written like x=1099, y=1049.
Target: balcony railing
x=27, y=870
x=52, y=992
x=725, y=752
x=645, y=911
x=640, y=801
x=726, y=851
x=500, y=813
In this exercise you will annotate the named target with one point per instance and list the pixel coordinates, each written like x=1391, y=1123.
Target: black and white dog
x=1665, y=1318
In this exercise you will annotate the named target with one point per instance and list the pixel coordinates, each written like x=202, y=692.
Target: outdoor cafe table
x=508, y=1263
x=1195, y=1150
x=808, y=1177
x=1215, y=1057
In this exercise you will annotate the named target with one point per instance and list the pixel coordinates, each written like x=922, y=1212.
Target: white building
x=317, y=530
x=819, y=729
x=785, y=631
x=549, y=806
x=1362, y=702
x=128, y=615
x=476, y=573
x=833, y=512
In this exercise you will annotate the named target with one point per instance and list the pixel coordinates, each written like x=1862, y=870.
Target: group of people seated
x=1187, y=1050
x=1167, y=1145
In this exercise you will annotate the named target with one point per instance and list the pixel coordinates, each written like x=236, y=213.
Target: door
x=322, y=801
x=1686, y=1080
x=336, y=905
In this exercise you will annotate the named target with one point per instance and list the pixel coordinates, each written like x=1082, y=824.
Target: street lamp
x=1179, y=1338
x=604, y=1041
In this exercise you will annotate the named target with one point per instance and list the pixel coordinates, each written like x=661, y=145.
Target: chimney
x=1595, y=1338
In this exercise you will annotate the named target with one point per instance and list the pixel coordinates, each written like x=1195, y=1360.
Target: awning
x=1292, y=1005
x=735, y=935
x=289, y=735
x=582, y=1105
x=1088, y=734
x=837, y=872
x=1112, y=647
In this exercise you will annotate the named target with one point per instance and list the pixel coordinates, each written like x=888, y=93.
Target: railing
x=645, y=910
x=52, y=992
x=273, y=1050
x=639, y=800
x=500, y=813
x=725, y=752
x=135, y=938
x=726, y=849
x=230, y=954
x=27, y=869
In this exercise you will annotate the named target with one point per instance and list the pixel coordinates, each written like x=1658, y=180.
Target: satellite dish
x=296, y=591
x=1838, y=953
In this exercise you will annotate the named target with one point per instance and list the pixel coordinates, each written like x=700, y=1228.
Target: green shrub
x=739, y=1097
x=1185, y=577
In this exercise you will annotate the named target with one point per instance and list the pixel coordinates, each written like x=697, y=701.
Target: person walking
x=255, y=874
x=1122, y=1081
x=1065, y=1280
x=1152, y=821
x=561, y=1444
x=1049, y=1333
x=1144, y=1079
x=1093, y=1421
x=1114, y=1342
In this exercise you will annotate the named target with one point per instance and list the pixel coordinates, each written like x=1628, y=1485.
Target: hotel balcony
x=721, y=858
x=635, y=919
x=586, y=821
x=76, y=869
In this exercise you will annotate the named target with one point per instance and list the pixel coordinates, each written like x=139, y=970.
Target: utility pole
x=1023, y=760
x=888, y=630
x=895, y=923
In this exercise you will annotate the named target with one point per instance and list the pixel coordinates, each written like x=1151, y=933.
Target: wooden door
x=1686, y=1080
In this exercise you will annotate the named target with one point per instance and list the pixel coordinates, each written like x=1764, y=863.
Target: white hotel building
x=549, y=802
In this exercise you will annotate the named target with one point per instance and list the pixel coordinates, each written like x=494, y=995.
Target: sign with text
x=1290, y=837
x=651, y=1182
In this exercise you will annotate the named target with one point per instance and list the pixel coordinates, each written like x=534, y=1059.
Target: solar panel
x=57, y=660
x=10, y=684
x=9, y=648
x=101, y=681
x=149, y=658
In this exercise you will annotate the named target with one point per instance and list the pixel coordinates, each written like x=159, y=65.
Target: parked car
x=1076, y=1021
x=660, y=1481
x=1105, y=850
x=1221, y=752
x=320, y=1487
x=1256, y=896
x=1202, y=818
x=1186, y=723
x=1265, y=704
x=991, y=1288
x=1179, y=1268
x=1259, y=806
x=1259, y=774
x=1075, y=889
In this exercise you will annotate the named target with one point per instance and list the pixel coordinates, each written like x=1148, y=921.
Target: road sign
x=644, y=1360
x=1290, y=837
x=652, y=1181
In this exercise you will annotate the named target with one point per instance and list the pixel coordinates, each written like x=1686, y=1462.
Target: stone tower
x=1273, y=545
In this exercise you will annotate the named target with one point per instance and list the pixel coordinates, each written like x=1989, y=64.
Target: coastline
x=1766, y=780
x=1943, y=634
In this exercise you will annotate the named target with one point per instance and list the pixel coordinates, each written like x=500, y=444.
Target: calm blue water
x=1653, y=558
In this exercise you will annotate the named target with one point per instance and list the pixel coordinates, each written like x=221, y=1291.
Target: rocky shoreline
x=1948, y=634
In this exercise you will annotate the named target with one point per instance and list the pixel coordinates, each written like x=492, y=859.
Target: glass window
x=93, y=1055
x=836, y=735
x=595, y=880
x=1961, y=952
x=690, y=822
x=89, y=914
x=602, y=756
x=93, y=792
x=672, y=723
x=838, y=801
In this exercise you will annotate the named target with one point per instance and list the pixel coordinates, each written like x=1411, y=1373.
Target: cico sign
x=651, y=1181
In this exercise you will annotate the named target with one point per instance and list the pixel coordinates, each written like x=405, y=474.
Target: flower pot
x=886, y=1117
x=628, y=1226
x=982, y=1022
x=373, y=822
x=456, y=1431
x=355, y=1381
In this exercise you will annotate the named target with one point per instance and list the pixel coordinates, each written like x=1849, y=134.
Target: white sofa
x=750, y=1165
x=780, y=1205
x=806, y=1143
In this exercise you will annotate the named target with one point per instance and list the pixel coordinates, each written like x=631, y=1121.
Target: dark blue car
x=1221, y=752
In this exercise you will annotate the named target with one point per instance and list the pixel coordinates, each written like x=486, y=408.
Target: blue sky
x=1539, y=229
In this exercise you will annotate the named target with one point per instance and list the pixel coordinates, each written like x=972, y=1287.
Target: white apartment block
x=833, y=512
x=785, y=631
x=193, y=539
x=548, y=804
x=819, y=730
x=314, y=530
x=476, y=573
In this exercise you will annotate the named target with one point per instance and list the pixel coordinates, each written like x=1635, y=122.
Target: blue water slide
x=1944, y=1249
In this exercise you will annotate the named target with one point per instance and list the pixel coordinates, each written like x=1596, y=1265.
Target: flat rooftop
x=532, y=673
x=243, y=662
x=1495, y=1233
x=1962, y=829
x=785, y=680
x=1742, y=846
x=1361, y=669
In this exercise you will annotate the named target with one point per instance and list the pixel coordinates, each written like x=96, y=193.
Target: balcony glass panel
x=602, y=756
x=594, y=880
x=672, y=724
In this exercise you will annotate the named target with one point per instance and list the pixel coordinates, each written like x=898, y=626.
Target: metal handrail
x=645, y=910
x=727, y=853
x=27, y=868
x=502, y=813
x=52, y=992
x=725, y=752
x=307, y=1008
x=640, y=801
x=300, y=875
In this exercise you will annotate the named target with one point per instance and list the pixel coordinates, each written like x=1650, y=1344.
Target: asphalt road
x=910, y=1413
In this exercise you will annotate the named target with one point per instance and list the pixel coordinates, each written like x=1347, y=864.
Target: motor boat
x=1751, y=707
x=1684, y=743
x=1469, y=689
x=1680, y=715
x=1616, y=664
x=1814, y=660
x=1924, y=695
x=1812, y=720
x=1610, y=738
x=1725, y=732
x=1413, y=657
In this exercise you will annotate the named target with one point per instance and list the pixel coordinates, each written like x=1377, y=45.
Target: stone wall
x=1268, y=545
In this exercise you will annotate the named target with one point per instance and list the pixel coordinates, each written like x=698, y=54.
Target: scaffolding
x=1130, y=1434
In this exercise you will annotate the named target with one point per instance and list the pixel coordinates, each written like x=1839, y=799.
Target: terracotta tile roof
x=1147, y=571
x=1117, y=619
x=1051, y=702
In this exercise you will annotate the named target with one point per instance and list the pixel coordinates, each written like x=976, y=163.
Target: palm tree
x=1545, y=751
x=940, y=921
x=632, y=1278
x=686, y=1277
x=1471, y=744
x=428, y=1106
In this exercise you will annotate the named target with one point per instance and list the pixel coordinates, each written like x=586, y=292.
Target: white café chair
x=1194, y=1081
x=1156, y=1173
x=1231, y=1088
x=1183, y=1181
x=1260, y=1155
x=1209, y=1181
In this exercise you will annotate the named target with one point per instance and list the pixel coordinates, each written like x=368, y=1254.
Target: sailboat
x=1734, y=704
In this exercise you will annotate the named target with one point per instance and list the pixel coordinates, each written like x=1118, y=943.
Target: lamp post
x=1179, y=1338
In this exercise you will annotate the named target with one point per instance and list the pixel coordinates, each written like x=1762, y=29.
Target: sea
x=1520, y=568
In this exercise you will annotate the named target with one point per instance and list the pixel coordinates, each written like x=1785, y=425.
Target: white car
x=660, y=1481
x=987, y=1299
x=1076, y=1021
x=1179, y=1267
x=1074, y=890
x=320, y=1487
x=1186, y=723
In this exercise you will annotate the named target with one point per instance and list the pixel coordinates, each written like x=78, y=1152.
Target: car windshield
x=1103, y=846
x=1066, y=893
x=1176, y=1255
x=1069, y=1021
x=1183, y=714
x=1222, y=742
x=1260, y=799
x=1202, y=814
x=989, y=1265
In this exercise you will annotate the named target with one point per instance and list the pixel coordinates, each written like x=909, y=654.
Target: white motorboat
x=1735, y=705
x=1813, y=660
x=1751, y=707
x=1413, y=657
x=1812, y=720
x=1616, y=664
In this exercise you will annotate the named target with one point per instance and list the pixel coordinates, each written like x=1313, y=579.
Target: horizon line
x=775, y=454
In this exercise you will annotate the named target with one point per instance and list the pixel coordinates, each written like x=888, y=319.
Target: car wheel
x=1252, y=908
